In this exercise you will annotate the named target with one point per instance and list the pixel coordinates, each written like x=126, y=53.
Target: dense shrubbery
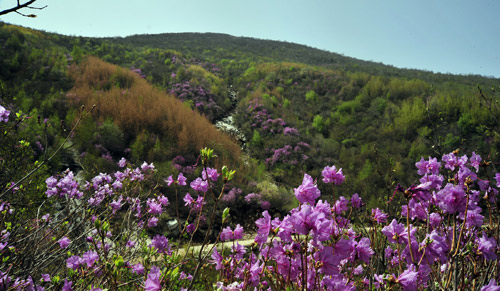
x=138, y=110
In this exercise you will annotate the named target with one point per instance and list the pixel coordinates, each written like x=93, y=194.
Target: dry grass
x=135, y=106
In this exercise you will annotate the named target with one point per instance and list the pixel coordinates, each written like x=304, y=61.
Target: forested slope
x=299, y=108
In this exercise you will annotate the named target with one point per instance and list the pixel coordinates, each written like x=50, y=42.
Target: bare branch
x=20, y=6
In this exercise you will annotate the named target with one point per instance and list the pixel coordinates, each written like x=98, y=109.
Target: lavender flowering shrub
x=105, y=233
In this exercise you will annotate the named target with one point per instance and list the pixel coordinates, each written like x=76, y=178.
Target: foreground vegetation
x=104, y=232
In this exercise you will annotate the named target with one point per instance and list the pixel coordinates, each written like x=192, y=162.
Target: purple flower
x=497, y=178
x=474, y=161
x=199, y=203
x=428, y=167
x=492, y=286
x=252, y=196
x=46, y=217
x=408, y=280
x=116, y=204
x=122, y=163
x=89, y=258
x=45, y=278
x=329, y=264
x=163, y=200
x=188, y=199
x=199, y=185
x=64, y=242
x=217, y=259
x=190, y=228
x=152, y=222
x=154, y=207
x=379, y=216
x=364, y=250
x=145, y=167
x=169, y=180
x=437, y=247
x=341, y=205
x=130, y=244
x=435, y=219
x=290, y=131
x=264, y=204
x=344, y=249
x=238, y=251
x=331, y=175
x=356, y=200
x=431, y=182
x=305, y=220
x=394, y=232
x=264, y=225
x=67, y=285
x=226, y=234
x=181, y=179
x=73, y=262
x=210, y=173
x=160, y=243
x=4, y=114
x=308, y=191
x=153, y=280
x=138, y=269
x=487, y=247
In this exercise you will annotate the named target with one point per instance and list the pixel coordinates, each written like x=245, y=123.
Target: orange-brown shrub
x=135, y=105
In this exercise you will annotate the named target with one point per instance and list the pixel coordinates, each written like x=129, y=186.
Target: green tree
x=318, y=123
x=311, y=96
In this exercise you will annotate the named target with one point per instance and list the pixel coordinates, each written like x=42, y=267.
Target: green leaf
x=118, y=261
x=225, y=214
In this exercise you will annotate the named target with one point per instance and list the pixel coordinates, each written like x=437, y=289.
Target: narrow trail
x=224, y=245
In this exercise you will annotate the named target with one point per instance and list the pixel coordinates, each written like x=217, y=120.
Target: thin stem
x=409, y=233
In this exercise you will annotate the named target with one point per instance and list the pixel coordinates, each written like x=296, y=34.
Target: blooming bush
x=104, y=233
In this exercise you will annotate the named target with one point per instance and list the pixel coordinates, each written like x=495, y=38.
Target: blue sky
x=449, y=36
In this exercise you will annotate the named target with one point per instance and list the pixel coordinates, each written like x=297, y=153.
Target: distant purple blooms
x=290, y=131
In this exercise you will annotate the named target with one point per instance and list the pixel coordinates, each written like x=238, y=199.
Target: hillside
x=299, y=108
x=218, y=47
